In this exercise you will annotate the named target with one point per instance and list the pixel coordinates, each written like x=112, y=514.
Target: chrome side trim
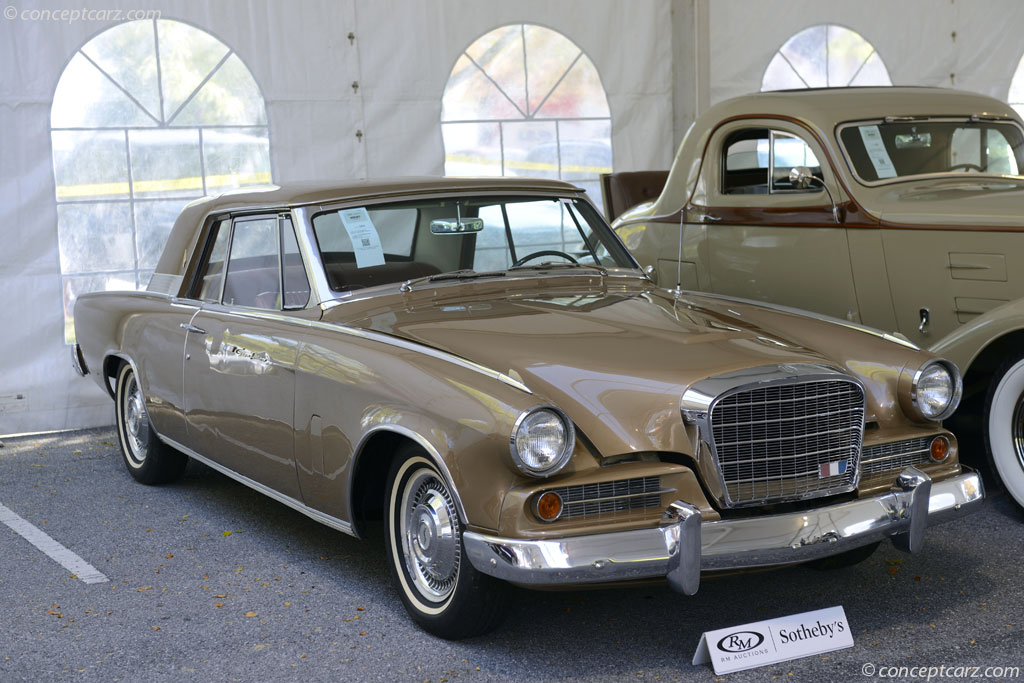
x=684, y=546
x=316, y=515
x=376, y=337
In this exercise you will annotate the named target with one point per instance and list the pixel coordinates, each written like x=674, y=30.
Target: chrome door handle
x=925, y=319
x=189, y=327
x=709, y=218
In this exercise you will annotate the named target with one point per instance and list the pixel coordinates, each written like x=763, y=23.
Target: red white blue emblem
x=832, y=469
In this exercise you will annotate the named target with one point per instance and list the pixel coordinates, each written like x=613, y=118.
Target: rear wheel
x=439, y=587
x=1004, y=426
x=148, y=459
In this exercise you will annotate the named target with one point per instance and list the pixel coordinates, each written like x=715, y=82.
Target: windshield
x=461, y=237
x=880, y=151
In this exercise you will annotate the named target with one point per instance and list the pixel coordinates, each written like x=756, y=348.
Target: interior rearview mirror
x=456, y=226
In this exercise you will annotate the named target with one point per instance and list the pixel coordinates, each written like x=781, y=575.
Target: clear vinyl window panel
x=146, y=117
x=525, y=100
x=825, y=56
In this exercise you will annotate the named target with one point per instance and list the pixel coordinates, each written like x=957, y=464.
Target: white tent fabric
x=305, y=65
x=661, y=62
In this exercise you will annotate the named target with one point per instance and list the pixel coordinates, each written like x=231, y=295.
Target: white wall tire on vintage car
x=148, y=459
x=439, y=587
x=1004, y=426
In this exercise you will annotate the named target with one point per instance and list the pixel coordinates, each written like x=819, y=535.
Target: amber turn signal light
x=549, y=506
x=939, y=450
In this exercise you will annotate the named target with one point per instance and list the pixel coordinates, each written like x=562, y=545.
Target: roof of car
x=828, y=107
x=273, y=197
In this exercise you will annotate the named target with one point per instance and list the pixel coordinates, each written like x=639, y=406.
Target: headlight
x=542, y=441
x=936, y=390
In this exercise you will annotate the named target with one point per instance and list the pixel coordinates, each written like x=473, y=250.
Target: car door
x=241, y=350
x=768, y=236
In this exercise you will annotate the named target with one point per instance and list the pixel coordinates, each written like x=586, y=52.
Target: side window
x=253, y=277
x=968, y=153
x=752, y=157
x=213, y=268
x=296, y=285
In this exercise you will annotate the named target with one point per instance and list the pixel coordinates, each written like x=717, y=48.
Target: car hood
x=962, y=201
x=617, y=362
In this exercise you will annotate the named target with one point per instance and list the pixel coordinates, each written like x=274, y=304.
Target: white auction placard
x=365, y=240
x=773, y=641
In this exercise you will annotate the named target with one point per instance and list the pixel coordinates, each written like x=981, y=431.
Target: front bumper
x=685, y=546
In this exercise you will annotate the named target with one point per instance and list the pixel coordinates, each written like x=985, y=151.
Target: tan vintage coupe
x=481, y=364
x=901, y=208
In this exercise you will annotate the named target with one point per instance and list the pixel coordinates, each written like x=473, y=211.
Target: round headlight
x=542, y=442
x=936, y=390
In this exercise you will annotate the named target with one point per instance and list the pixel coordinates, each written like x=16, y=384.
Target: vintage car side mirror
x=800, y=177
x=456, y=226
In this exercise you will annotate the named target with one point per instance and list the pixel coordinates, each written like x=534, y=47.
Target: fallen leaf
x=219, y=604
x=287, y=604
x=168, y=556
x=156, y=628
x=250, y=614
x=893, y=570
x=221, y=595
x=227, y=533
x=145, y=588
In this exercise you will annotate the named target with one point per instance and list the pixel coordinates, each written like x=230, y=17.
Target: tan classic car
x=901, y=208
x=482, y=365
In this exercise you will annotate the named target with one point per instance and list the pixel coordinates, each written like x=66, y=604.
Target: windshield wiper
x=464, y=274
x=552, y=266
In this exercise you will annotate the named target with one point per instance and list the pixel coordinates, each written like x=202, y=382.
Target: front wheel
x=148, y=459
x=439, y=587
x=1004, y=426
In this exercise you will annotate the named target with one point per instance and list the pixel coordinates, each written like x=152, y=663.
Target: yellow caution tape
x=142, y=187
x=526, y=165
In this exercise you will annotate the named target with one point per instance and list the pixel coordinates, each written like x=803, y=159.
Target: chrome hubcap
x=430, y=536
x=136, y=422
x=1017, y=427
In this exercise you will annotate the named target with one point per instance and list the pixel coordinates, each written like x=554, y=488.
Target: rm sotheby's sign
x=775, y=640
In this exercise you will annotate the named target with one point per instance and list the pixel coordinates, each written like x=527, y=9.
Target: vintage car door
x=769, y=237
x=241, y=350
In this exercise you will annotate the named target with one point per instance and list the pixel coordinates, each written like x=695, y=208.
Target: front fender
x=964, y=345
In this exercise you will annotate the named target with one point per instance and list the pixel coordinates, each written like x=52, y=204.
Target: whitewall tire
x=439, y=587
x=1004, y=426
x=148, y=459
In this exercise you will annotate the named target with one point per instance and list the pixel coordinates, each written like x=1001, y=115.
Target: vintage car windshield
x=888, y=150
x=381, y=244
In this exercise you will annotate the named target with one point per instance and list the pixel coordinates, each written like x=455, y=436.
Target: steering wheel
x=967, y=167
x=546, y=252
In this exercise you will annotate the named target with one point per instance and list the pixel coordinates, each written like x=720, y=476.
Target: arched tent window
x=825, y=56
x=146, y=117
x=1016, y=95
x=525, y=100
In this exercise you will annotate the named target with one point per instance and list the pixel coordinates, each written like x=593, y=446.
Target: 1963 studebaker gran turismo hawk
x=482, y=365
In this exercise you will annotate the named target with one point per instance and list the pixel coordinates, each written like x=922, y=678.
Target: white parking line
x=58, y=553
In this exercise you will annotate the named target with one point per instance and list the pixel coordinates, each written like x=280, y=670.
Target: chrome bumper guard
x=685, y=546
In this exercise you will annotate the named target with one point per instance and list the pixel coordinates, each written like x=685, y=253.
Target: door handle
x=708, y=218
x=189, y=327
x=925, y=319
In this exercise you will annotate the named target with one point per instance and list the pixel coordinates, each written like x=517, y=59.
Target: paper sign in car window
x=875, y=147
x=365, y=240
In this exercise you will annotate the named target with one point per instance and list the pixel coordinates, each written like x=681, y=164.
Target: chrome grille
x=772, y=440
x=587, y=500
x=895, y=456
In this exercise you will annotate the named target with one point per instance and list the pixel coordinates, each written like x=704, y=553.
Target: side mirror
x=456, y=226
x=800, y=177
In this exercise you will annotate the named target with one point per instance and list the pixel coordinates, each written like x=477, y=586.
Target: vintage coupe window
x=753, y=156
x=259, y=247
x=384, y=244
x=887, y=150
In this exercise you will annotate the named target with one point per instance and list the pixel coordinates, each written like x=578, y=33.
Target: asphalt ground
x=210, y=581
